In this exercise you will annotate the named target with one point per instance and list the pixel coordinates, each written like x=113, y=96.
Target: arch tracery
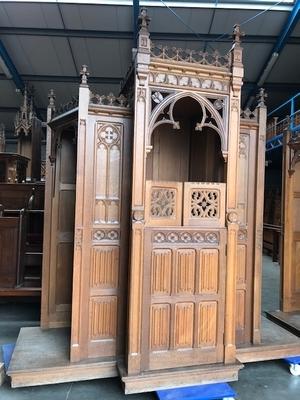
x=211, y=116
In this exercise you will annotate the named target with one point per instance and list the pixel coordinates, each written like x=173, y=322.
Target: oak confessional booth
x=153, y=229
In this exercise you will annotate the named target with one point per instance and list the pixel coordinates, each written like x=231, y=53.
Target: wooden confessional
x=153, y=225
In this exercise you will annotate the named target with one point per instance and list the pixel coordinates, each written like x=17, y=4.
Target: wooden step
x=42, y=357
x=179, y=377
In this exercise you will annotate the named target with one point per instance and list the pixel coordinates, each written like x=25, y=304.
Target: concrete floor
x=270, y=299
x=258, y=381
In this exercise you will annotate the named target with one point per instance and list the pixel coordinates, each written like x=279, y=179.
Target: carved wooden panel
x=208, y=271
x=185, y=271
x=184, y=287
x=207, y=319
x=103, y=318
x=160, y=327
x=163, y=203
x=161, y=271
x=105, y=267
x=184, y=325
x=204, y=204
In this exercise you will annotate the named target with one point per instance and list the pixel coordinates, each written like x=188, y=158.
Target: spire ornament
x=261, y=97
x=144, y=20
x=237, y=34
x=24, y=117
x=51, y=97
x=84, y=74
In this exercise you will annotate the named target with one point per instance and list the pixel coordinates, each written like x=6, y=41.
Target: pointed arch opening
x=189, y=148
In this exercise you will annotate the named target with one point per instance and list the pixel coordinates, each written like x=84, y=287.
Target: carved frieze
x=105, y=234
x=108, y=100
x=180, y=80
x=214, y=59
x=210, y=237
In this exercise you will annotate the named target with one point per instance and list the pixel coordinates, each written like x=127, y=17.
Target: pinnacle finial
x=237, y=33
x=261, y=97
x=144, y=20
x=51, y=97
x=84, y=73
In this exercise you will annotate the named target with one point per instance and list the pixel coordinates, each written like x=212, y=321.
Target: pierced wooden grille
x=163, y=203
x=204, y=204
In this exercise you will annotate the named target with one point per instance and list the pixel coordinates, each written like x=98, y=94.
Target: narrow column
x=259, y=214
x=80, y=273
x=138, y=195
x=232, y=215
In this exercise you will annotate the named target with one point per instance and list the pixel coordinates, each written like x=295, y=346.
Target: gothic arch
x=205, y=104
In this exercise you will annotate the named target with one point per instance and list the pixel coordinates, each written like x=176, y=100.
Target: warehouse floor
x=265, y=380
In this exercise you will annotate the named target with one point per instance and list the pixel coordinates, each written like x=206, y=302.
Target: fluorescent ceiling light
x=285, y=5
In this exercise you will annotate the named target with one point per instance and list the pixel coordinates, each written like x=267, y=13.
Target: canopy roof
x=48, y=41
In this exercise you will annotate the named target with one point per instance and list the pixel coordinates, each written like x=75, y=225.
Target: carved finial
x=51, y=97
x=237, y=34
x=84, y=73
x=144, y=20
x=261, y=97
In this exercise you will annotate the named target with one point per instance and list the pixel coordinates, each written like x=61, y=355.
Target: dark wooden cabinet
x=9, y=251
x=21, y=244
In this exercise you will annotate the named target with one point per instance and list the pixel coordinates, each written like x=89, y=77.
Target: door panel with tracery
x=184, y=277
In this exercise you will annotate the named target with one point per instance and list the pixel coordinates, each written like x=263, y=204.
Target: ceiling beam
x=127, y=35
x=288, y=86
x=135, y=15
x=282, y=40
x=67, y=79
x=9, y=68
